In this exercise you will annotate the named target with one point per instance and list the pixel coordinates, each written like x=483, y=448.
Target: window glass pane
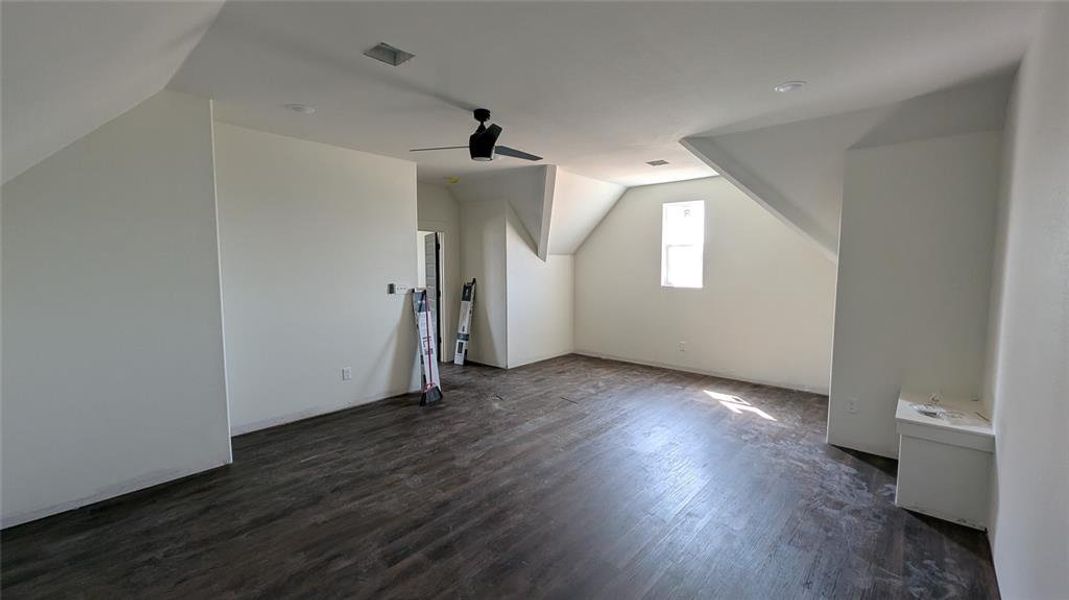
x=682, y=244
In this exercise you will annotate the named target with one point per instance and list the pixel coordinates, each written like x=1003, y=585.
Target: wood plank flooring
x=570, y=478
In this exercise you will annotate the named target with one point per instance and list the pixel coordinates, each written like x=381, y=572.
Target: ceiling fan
x=482, y=145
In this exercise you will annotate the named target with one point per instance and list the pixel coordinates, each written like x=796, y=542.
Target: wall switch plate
x=851, y=405
x=396, y=288
x=346, y=373
x=682, y=346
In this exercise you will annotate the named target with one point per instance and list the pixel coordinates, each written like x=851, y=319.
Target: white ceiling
x=70, y=67
x=797, y=169
x=598, y=88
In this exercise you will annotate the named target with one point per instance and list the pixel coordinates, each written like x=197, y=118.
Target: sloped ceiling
x=557, y=209
x=70, y=67
x=528, y=190
x=598, y=88
x=579, y=204
x=796, y=169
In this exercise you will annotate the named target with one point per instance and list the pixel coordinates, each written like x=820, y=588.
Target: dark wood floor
x=571, y=478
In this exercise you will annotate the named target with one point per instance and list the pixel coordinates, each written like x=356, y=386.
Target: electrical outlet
x=346, y=373
x=851, y=405
x=682, y=346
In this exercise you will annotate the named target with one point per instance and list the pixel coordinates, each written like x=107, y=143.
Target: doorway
x=430, y=274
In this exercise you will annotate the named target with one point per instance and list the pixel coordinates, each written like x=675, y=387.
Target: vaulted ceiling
x=70, y=67
x=796, y=170
x=598, y=88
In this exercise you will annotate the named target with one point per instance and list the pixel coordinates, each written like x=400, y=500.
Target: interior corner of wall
x=549, y=188
x=768, y=197
x=620, y=193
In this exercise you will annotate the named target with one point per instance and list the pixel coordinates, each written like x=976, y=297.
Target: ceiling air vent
x=388, y=54
x=657, y=163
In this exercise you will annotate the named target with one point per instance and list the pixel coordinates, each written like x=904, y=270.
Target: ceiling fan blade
x=514, y=153
x=439, y=148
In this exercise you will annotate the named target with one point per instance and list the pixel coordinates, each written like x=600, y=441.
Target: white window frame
x=698, y=242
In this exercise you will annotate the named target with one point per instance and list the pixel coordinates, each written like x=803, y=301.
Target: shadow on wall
x=399, y=350
x=484, y=346
x=976, y=106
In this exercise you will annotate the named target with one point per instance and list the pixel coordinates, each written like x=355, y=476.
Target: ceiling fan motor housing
x=481, y=143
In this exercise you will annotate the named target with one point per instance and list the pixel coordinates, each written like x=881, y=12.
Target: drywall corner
x=911, y=306
x=766, y=195
x=118, y=281
x=437, y=210
x=484, y=258
x=529, y=190
x=579, y=205
x=1030, y=520
x=549, y=187
x=311, y=235
x=540, y=296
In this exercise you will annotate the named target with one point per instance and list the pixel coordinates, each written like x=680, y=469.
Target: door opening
x=430, y=275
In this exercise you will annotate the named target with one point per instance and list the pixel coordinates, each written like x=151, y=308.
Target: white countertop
x=962, y=418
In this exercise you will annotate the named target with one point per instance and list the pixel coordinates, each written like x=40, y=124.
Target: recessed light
x=304, y=109
x=789, y=86
x=657, y=163
x=388, y=54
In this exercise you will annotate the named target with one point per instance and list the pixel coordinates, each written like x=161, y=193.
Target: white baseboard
x=529, y=361
x=686, y=369
x=316, y=411
x=108, y=492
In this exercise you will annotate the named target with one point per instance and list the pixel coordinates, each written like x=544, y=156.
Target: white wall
x=765, y=313
x=579, y=204
x=540, y=300
x=797, y=168
x=311, y=235
x=523, y=304
x=914, y=278
x=1030, y=521
x=528, y=190
x=483, y=257
x=421, y=258
x=112, y=340
x=439, y=211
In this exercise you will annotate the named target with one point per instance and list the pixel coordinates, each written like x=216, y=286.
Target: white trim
x=109, y=492
x=720, y=374
x=316, y=411
x=531, y=361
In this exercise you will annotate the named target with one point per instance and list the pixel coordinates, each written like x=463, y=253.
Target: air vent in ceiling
x=657, y=163
x=388, y=54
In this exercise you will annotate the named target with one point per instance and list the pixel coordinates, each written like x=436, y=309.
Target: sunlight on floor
x=738, y=405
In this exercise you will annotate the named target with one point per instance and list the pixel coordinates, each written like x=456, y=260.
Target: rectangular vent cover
x=657, y=163
x=389, y=54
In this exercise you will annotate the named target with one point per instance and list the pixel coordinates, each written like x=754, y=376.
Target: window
x=682, y=244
